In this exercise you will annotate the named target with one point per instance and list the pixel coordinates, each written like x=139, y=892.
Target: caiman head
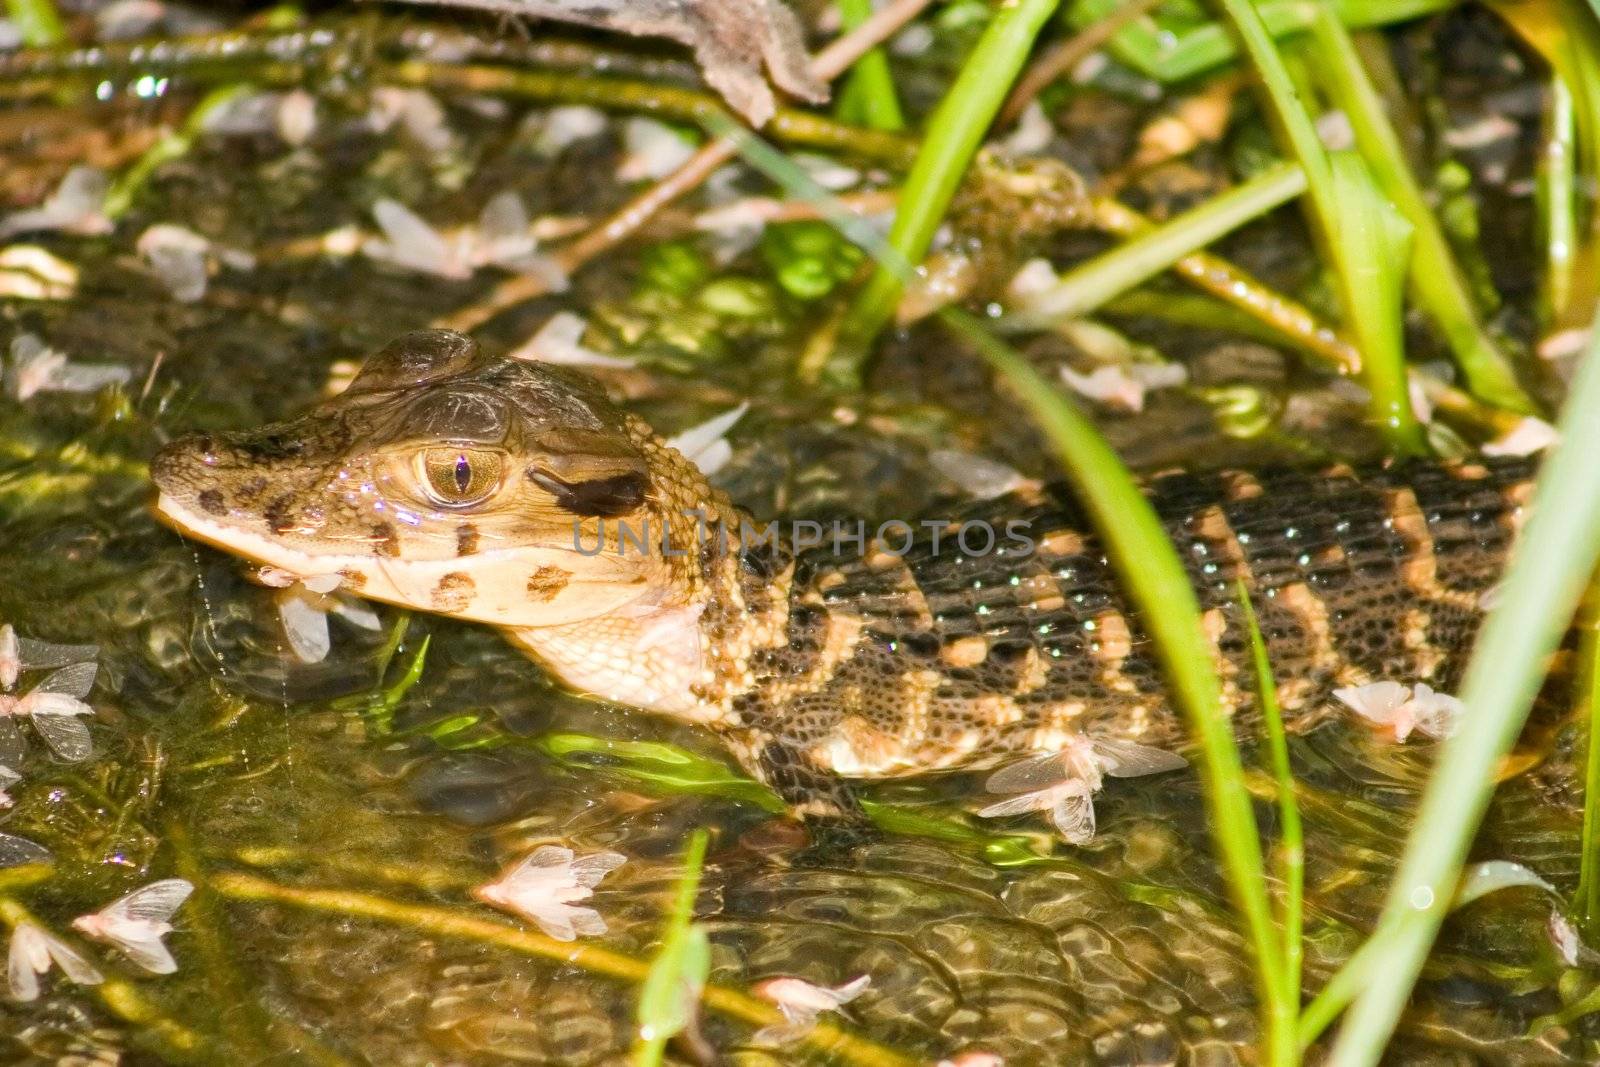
x=447, y=481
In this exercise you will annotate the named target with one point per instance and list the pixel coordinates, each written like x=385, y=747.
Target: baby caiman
x=444, y=480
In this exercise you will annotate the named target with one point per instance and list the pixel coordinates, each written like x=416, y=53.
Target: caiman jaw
x=492, y=588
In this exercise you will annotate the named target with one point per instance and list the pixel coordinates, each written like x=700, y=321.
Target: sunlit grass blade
x=174, y=144
x=1156, y=582
x=677, y=976
x=1555, y=196
x=868, y=96
x=1292, y=846
x=1566, y=33
x=452, y=924
x=37, y=22
x=1587, y=898
x=1441, y=286
x=1345, y=983
x=1553, y=561
x=955, y=130
x=1089, y=285
x=673, y=769
x=378, y=708
x=1375, y=251
x=1171, y=50
x=1353, y=227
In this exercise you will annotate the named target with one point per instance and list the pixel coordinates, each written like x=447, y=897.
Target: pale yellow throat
x=654, y=658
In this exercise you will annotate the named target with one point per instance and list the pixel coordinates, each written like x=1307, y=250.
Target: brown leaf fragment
x=732, y=39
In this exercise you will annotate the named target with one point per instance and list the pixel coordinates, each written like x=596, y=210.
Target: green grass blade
x=1293, y=843
x=1374, y=253
x=1555, y=557
x=1587, y=898
x=1091, y=284
x=1353, y=227
x=1441, y=286
x=955, y=130
x=1157, y=583
x=1556, y=199
x=1172, y=52
x=868, y=97
x=678, y=974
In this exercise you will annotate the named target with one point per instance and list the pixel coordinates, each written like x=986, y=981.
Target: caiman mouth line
x=241, y=542
x=814, y=664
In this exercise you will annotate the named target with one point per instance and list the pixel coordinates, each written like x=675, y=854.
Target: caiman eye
x=457, y=477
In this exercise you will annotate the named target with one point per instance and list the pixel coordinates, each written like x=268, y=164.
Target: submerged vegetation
x=1242, y=233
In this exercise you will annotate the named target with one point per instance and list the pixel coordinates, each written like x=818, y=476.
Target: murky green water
x=221, y=759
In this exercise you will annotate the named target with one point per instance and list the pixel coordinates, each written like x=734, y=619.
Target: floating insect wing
x=1021, y=804
x=12, y=745
x=1073, y=813
x=504, y=217
x=154, y=903
x=1127, y=759
x=1030, y=775
x=1083, y=761
x=16, y=851
x=539, y=865
x=36, y=655
x=27, y=959
x=73, y=681
x=31, y=953
x=65, y=733
x=10, y=657
x=142, y=944
x=39, y=656
x=589, y=870
x=137, y=922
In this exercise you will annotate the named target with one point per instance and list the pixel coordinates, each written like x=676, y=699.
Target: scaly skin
x=446, y=481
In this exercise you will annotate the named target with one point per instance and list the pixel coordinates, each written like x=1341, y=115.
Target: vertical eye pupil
x=463, y=473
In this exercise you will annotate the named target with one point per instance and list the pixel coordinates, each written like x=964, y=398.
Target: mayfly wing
x=15, y=851
x=1019, y=804
x=37, y=654
x=1073, y=815
x=1029, y=775
x=10, y=657
x=72, y=963
x=23, y=962
x=1128, y=759
x=152, y=903
x=66, y=735
x=73, y=681
x=530, y=867
x=587, y=922
x=145, y=948
x=504, y=216
x=12, y=746
x=589, y=870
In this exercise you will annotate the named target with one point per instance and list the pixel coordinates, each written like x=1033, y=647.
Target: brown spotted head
x=442, y=480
